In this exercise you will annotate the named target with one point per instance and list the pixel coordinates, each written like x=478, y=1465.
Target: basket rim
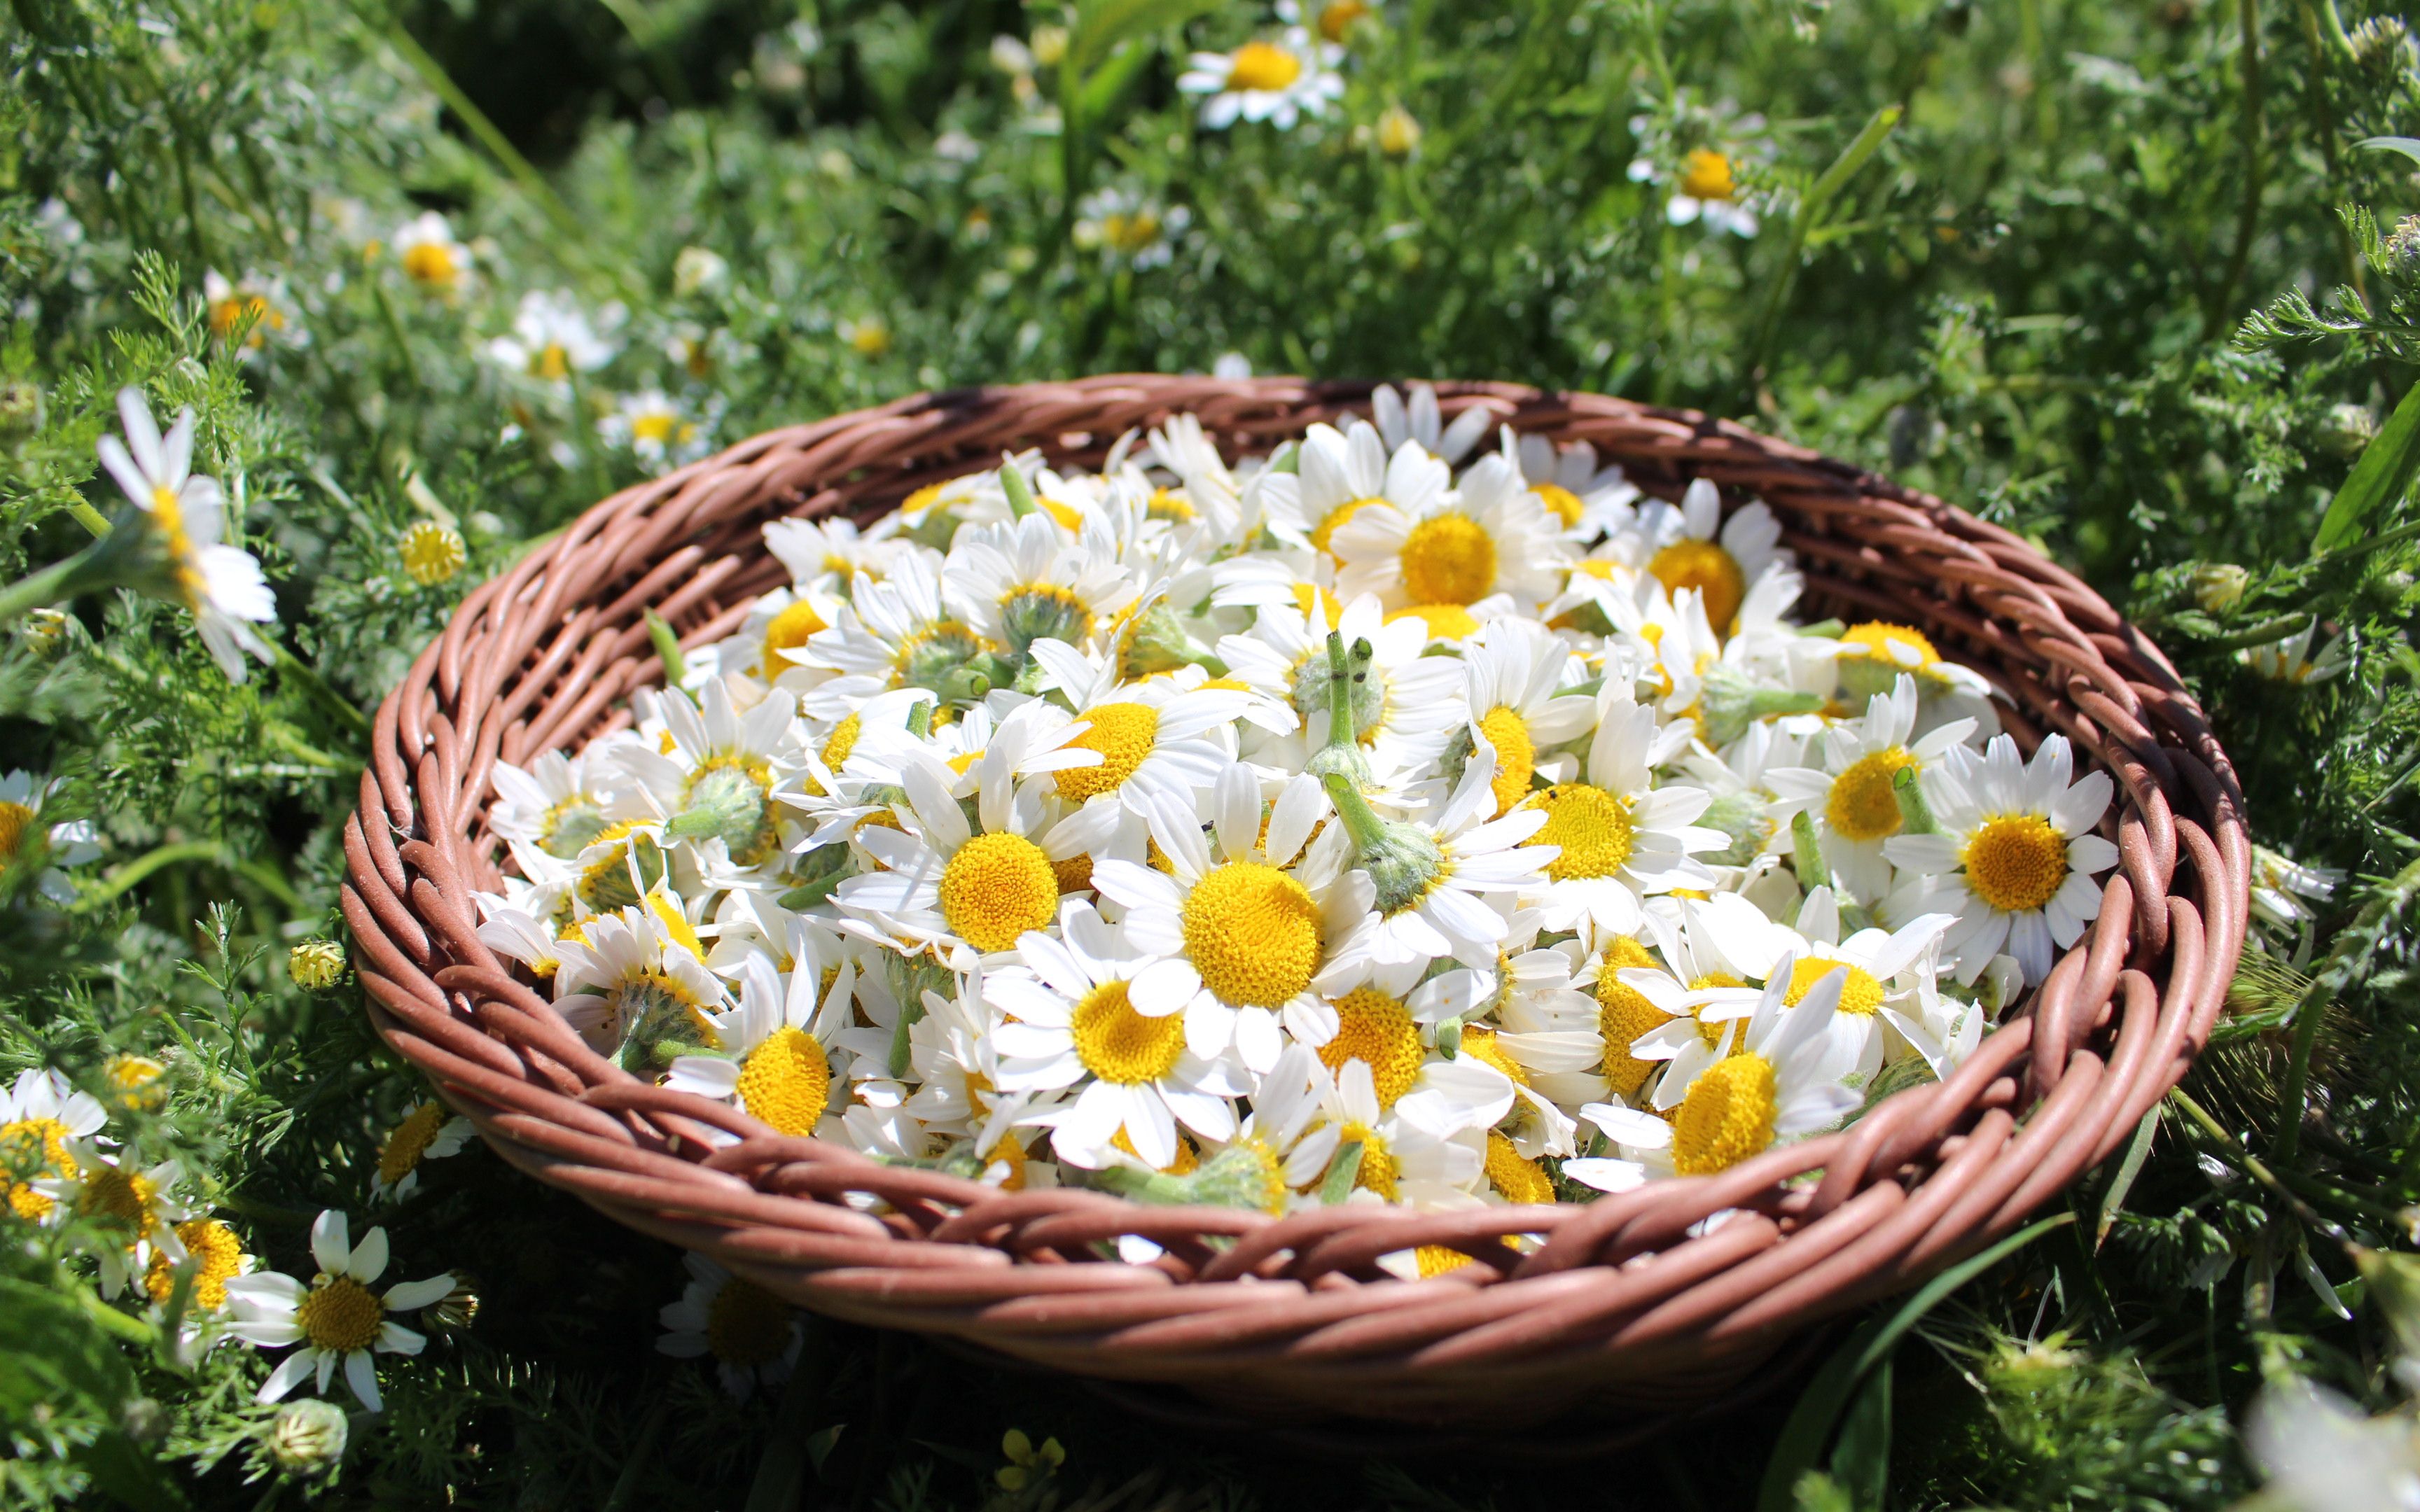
x=1621, y=1287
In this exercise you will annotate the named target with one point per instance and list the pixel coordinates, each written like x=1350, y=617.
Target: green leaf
x=1829, y=1394
x=2137, y=1151
x=2408, y=146
x=2378, y=479
x=1102, y=24
x=55, y=1357
x=1861, y=1459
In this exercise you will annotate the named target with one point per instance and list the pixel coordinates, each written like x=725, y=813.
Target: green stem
x=2263, y=634
x=1361, y=822
x=1802, y=222
x=2247, y=216
x=1020, y=496
x=90, y=518
x=1915, y=815
x=2252, y=1164
x=40, y=589
x=121, y=879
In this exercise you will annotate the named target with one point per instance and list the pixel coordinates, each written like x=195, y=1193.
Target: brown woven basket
x=1617, y=1303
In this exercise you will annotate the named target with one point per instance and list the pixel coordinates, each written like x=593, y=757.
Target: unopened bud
x=2218, y=586
x=307, y=1437
x=316, y=965
x=2348, y=429
x=1398, y=133
x=44, y=632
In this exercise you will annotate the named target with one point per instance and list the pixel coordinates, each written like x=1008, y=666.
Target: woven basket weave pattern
x=1617, y=1302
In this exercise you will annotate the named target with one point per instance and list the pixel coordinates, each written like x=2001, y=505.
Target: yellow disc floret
x=218, y=1258
x=1481, y=1045
x=1714, y=572
x=341, y=1316
x=746, y=1325
x=1727, y=1115
x=1521, y=1181
x=1379, y=1170
x=1437, y=1260
x=1593, y=827
x=1262, y=68
x=1863, y=805
x=432, y=553
x=787, y=631
x=787, y=1081
x=1706, y=174
x=1378, y=1029
x=1712, y=1030
x=1123, y=733
x=842, y=741
x=1252, y=933
x=1860, y=994
x=126, y=1195
x=1336, y=519
x=1117, y=1044
x=1448, y=559
x=997, y=887
x=1623, y=1014
x=2015, y=862
x=15, y=820
x=409, y=1141
x=33, y=1147
x=1516, y=756
x=1561, y=503
x=1890, y=643
x=1445, y=622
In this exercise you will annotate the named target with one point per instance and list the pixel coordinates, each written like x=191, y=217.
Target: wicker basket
x=1612, y=1304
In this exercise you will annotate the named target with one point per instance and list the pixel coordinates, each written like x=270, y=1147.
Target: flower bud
x=2346, y=428
x=44, y=633
x=432, y=553
x=20, y=409
x=316, y=965
x=307, y=1437
x=1398, y=133
x=2218, y=586
x=2403, y=247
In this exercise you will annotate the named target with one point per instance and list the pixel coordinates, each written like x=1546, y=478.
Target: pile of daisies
x=1396, y=818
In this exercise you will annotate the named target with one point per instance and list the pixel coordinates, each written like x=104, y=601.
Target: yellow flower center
x=787, y=631
x=1378, y=1030
x=1262, y=66
x=1166, y=503
x=1727, y=1115
x=746, y=1325
x=219, y=1258
x=1593, y=827
x=1860, y=994
x=1074, y=875
x=341, y=1316
x=551, y=362
x=114, y=1192
x=1117, y=1044
x=997, y=887
x=842, y=740
x=1317, y=604
x=1336, y=519
x=432, y=554
x=1516, y=756
x=1187, y=1161
x=401, y=1153
x=1480, y=1045
x=33, y=1147
x=1711, y=1030
x=921, y=501
x=1448, y=559
x=1123, y=733
x=1337, y=17
x=431, y=263
x=787, y=1081
x=1881, y=642
x=654, y=426
x=1437, y=1260
x=1561, y=503
x=1623, y=1014
x=15, y=819
x=1714, y=572
x=1707, y=175
x=225, y=313
x=168, y=518
x=2015, y=862
x=676, y=924
x=1520, y=1180
x=1130, y=232
x=1379, y=1170
x=134, y=1081
x=1445, y=622
x=1863, y=805
x=1252, y=933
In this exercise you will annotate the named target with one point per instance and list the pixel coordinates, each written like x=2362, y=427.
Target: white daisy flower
x=2014, y=855
x=1422, y=423
x=558, y=803
x=1516, y=684
x=2290, y=660
x=720, y=768
x=774, y=1049
x=186, y=513
x=1620, y=838
x=72, y=841
x=137, y=1207
x=1278, y=81
x=1119, y=1022
x=1339, y=473
x=43, y=1122
x=657, y=430
x=430, y=1131
x=1130, y=228
x=635, y=984
x=336, y=1319
x=1706, y=190
x=1717, y=953
x=1018, y=581
x=553, y=339
x=1406, y=706
x=259, y=298
x=1587, y=501
x=1493, y=536
x=1697, y=548
x=1852, y=798
x=752, y=1335
x=1395, y=1158
x=431, y=257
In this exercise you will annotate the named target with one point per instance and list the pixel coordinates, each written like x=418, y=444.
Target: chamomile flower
x=752, y=1335
x=553, y=339
x=1874, y=655
x=136, y=1211
x=1619, y=838
x=1394, y=1157
x=1889, y=985
x=1277, y=81
x=1492, y=535
x=1420, y=422
x=774, y=1051
x=716, y=779
x=1853, y=797
x=1586, y=500
x=1344, y=472
x=2290, y=660
x=255, y=302
x=1018, y=581
x=655, y=428
x=336, y=1317
x=431, y=257
x=1404, y=704
x=1156, y=739
x=1705, y=190
x=1517, y=685
x=186, y=513
x=71, y=842
x=636, y=986
x=1685, y=1013
x=429, y=1131
x=2284, y=889
x=2014, y=857
x=43, y=1122
x=1130, y=230
x=1696, y=548
x=1092, y=1011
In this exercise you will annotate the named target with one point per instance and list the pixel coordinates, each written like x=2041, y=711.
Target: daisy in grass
x=1853, y=797
x=430, y=1131
x=1619, y=838
x=554, y=339
x=135, y=1209
x=752, y=1336
x=635, y=984
x=774, y=1050
x=1130, y=228
x=1277, y=81
x=657, y=430
x=43, y=1122
x=1695, y=548
x=259, y=300
x=1420, y=421
x=1785, y=1082
x=1254, y=906
x=1587, y=501
x=1706, y=190
x=70, y=842
x=431, y=257
x=1492, y=535
x=1092, y=1011
x=1339, y=473
x=186, y=513
x=336, y=1318
x=951, y=888
x=2012, y=855
x=2290, y=660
